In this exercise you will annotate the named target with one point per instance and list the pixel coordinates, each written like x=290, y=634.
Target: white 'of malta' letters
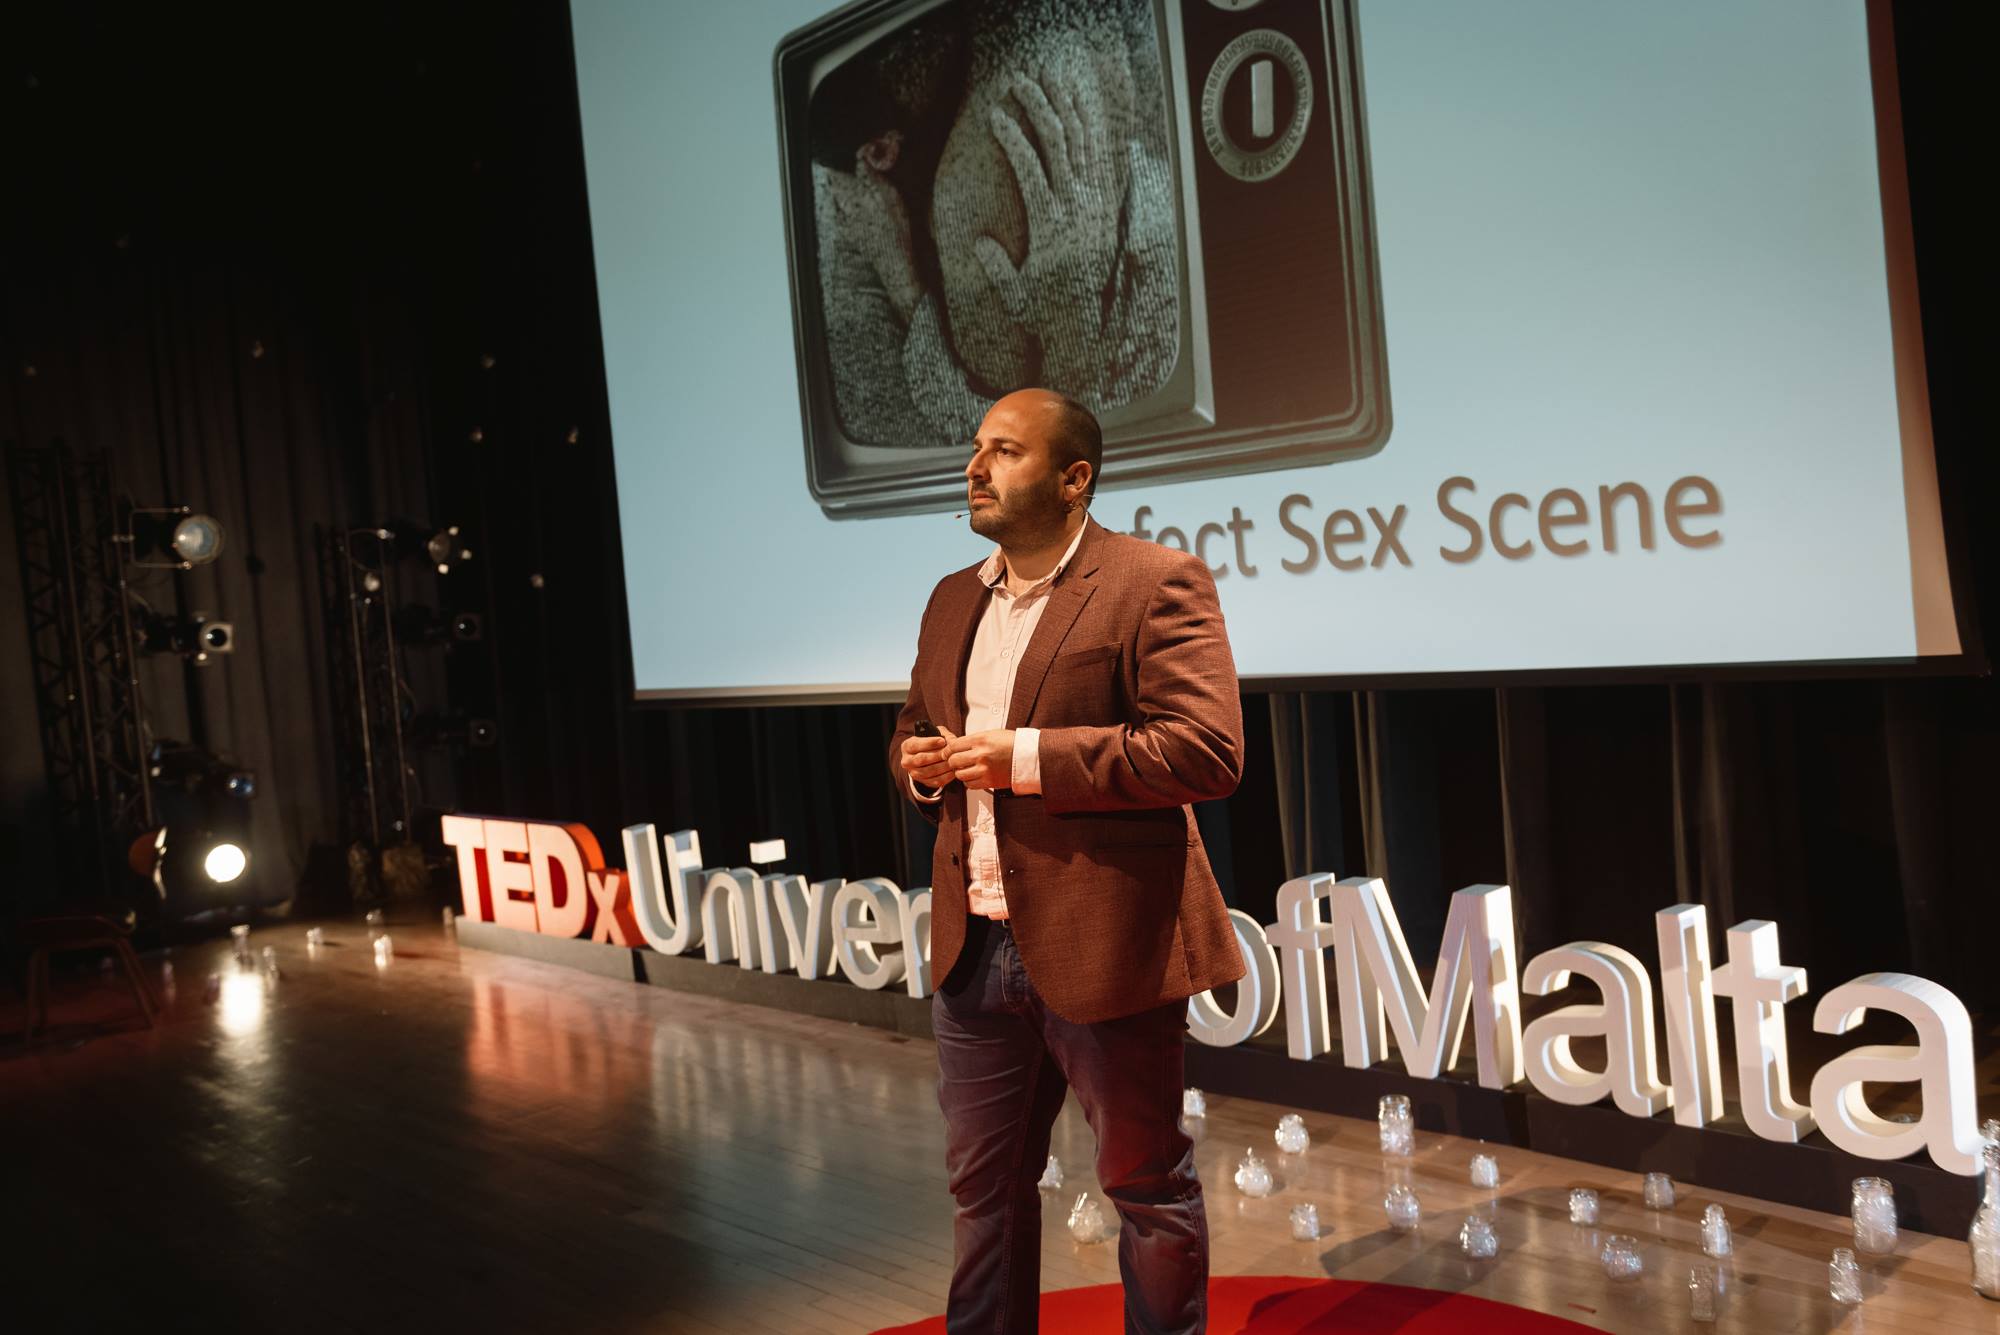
x=1941, y=1063
x=1624, y=1020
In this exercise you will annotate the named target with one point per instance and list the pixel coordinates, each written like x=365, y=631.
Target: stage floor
x=465, y=1141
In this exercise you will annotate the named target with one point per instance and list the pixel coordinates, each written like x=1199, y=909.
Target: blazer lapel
x=958, y=628
x=1066, y=602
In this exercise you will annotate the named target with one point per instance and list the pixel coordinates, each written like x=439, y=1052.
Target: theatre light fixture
x=186, y=864
x=224, y=862
x=196, y=638
x=200, y=845
x=438, y=544
x=171, y=537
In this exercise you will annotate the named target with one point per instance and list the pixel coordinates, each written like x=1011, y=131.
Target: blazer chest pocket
x=1083, y=658
x=1082, y=687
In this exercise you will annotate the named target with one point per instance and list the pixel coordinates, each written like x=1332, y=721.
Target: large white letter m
x=1476, y=972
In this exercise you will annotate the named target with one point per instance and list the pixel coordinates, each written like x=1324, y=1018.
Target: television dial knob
x=1256, y=104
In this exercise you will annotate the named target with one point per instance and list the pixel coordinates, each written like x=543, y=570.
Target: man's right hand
x=924, y=761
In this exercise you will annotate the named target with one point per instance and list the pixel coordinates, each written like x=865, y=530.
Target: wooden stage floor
x=464, y=1141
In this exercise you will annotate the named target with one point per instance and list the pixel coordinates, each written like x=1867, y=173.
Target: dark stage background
x=327, y=265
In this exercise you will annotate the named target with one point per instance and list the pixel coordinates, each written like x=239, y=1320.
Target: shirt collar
x=994, y=572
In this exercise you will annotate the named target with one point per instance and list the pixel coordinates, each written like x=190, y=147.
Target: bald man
x=1082, y=693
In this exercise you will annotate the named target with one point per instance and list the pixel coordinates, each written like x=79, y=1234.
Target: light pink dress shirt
x=1005, y=628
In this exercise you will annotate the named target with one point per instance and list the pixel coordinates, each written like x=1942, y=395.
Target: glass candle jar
x=1874, y=1216
x=1984, y=1237
x=1398, y=1125
x=1477, y=1239
x=1402, y=1208
x=1485, y=1171
x=1253, y=1175
x=1843, y=1278
x=1715, y=1237
x=1620, y=1257
x=1659, y=1192
x=1582, y=1206
x=1086, y=1220
x=1701, y=1294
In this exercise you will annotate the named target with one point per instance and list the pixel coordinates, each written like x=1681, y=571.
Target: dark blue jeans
x=1004, y=1063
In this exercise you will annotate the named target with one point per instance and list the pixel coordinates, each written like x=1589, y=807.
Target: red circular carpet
x=1281, y=1305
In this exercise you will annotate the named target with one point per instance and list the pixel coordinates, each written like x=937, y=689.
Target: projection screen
x=1457, y=338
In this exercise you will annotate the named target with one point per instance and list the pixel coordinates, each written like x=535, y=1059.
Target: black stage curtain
x=215, y=273
x=206, y=382
x=336, y=282
x=1849, y=812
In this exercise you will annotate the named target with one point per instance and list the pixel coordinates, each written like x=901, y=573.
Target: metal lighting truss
x=83, y=651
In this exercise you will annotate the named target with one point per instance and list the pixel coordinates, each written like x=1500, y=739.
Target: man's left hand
x=1072, y=179
x=983, y=759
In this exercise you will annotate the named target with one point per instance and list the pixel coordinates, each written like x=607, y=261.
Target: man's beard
x=1025, y=517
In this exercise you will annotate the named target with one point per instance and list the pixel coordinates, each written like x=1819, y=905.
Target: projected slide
x=1454, y=337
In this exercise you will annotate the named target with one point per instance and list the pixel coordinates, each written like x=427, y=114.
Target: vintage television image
x=1160, y=207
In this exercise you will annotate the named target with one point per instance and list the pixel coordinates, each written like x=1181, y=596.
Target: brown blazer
x=1129, y=677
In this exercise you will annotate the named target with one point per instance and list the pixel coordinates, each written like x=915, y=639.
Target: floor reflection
x=240, y=1008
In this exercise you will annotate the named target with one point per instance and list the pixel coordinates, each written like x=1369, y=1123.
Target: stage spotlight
x=172, y=537
x=197, y=638
x=197, y=540
x=187, y=865
x=438, y=544
x=225, y=862
x=198, y=855
x=420, y=625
